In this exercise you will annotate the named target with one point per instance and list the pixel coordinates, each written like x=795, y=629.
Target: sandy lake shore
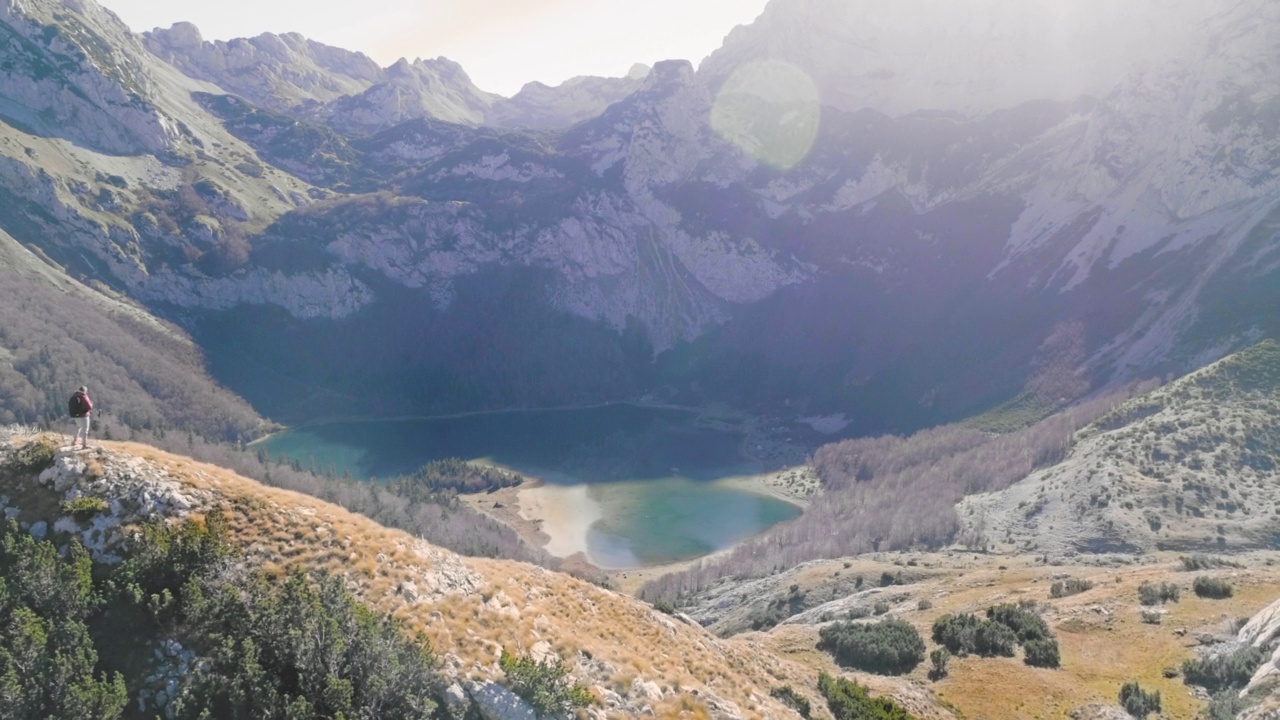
x=564, y=513
x=558, y=517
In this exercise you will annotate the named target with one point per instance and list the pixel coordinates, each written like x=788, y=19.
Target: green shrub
x=1225, y=705
x=1150, y=593
x=36, y=456
x=924, y=604
x=1042, y=653
x=1138, y=702
x=1206, y=562
x=1207, y=587
x=848, y=700
x=938, y=659
x=664, y=606
x=48, y=660
x=881, y=607
x=890, y=647
x=792, y=699
x=543, y=685
x=1021, y=619
x=993, y=639
x=1006, y=627
x=84, y=508
x=955, y=633
x=303, y=648
x=1072, y=586
x=1225, y=671
x=164, y=557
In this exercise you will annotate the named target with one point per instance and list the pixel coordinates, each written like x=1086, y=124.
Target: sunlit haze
x=502, y=44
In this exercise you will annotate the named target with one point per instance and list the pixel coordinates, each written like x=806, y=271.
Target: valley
x=898, y=360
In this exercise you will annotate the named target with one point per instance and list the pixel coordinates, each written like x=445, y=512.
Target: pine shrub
x=1071, y=586
x=1042, y=653
x=1138, y=702
x=542, y=684
x=84, y=508
x=1150, y=593
x=889, y=647
x=938, y=659
x=792, y=699
x=848, y=700
x=1224, y=671
x=1213, y=588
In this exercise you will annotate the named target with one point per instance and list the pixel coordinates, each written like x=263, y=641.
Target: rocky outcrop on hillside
x=1188, y=467
x=131, y=491
x=1263, y=631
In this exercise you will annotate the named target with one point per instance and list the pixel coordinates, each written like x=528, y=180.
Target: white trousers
x=82, y=430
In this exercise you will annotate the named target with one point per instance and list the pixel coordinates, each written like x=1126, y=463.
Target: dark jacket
x=79, y=405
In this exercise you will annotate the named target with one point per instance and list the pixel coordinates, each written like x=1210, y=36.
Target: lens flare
x=770, y=110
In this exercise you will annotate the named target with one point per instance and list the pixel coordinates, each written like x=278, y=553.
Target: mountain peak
x=181, y=35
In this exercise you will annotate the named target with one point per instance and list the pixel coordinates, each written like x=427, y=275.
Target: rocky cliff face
x=847, y=206
x=277, y=72
x=79, y=75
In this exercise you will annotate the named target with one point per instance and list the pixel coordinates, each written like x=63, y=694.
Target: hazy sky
x=501, y=43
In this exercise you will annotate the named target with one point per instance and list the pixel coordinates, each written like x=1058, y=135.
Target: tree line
x=141, y=374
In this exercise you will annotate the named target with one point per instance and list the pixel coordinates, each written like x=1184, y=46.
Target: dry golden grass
x=1100, y=632
x=470, y=609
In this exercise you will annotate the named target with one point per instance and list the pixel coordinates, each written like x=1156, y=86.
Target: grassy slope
x=1103, y=641
x=471, y=608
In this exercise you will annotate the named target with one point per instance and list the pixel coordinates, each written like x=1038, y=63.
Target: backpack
x=78, y=406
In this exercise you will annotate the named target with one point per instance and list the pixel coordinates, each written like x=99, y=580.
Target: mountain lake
x=653, y=485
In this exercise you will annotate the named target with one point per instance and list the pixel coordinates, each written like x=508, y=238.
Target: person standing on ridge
x=80, y=407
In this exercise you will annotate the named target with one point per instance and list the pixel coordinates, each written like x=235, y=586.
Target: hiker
x=80, y=406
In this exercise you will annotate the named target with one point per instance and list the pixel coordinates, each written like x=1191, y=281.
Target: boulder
x=495, y=702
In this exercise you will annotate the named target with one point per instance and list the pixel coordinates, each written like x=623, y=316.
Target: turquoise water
x=653, y=471
x=655, y=522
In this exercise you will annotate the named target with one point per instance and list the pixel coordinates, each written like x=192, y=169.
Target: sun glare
x=770, y=110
